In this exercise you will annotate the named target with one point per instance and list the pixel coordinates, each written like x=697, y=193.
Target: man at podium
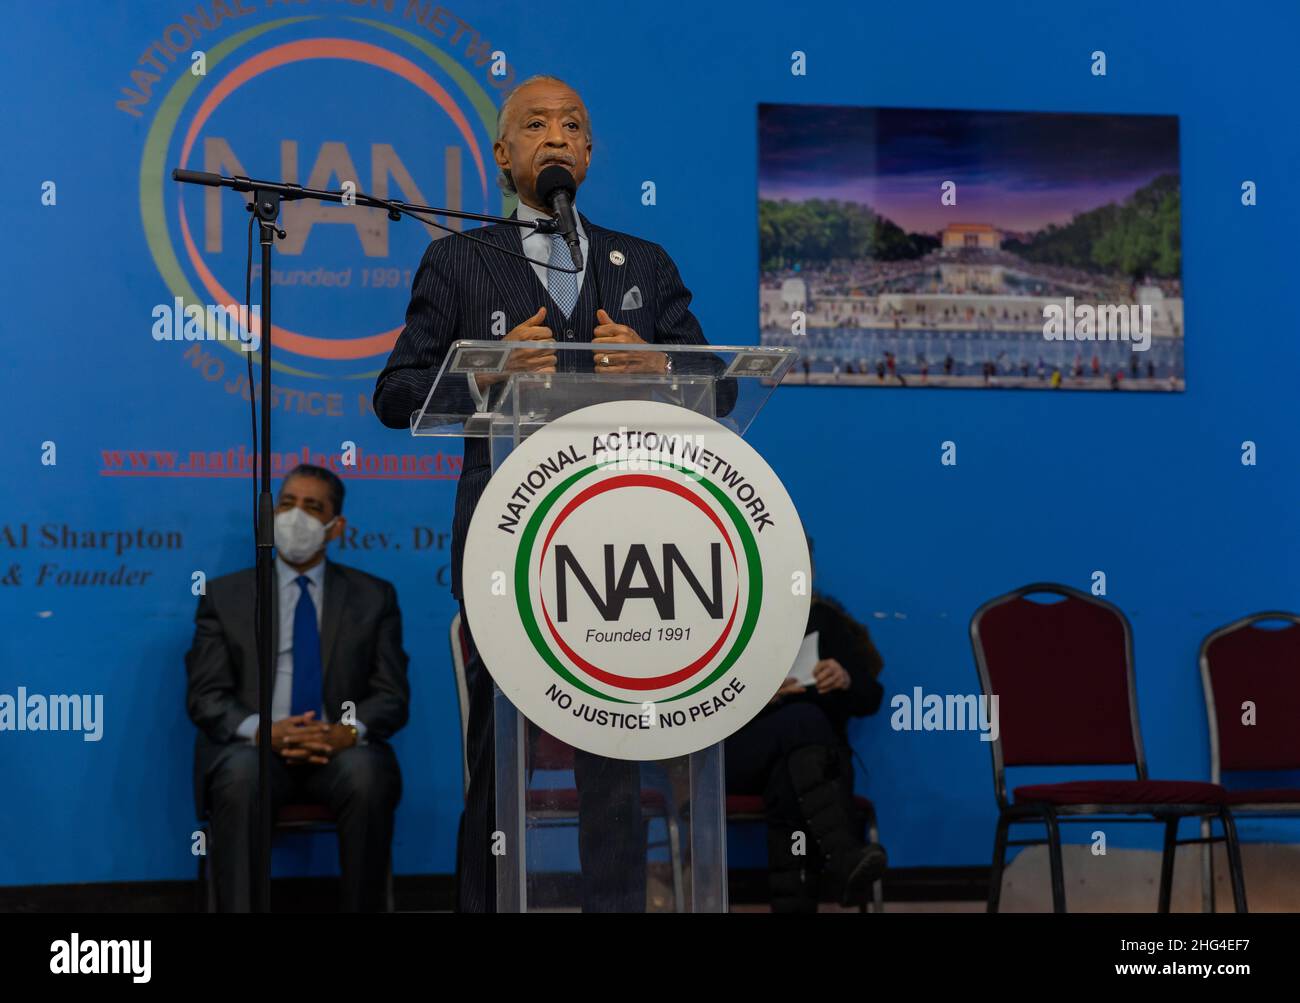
x=628, y=290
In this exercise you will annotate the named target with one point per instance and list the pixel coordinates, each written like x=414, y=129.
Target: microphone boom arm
x=394, y=207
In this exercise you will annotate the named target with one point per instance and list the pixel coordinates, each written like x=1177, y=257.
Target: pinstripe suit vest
x=464, y=289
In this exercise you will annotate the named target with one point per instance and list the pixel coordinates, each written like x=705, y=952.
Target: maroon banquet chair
x=1063, y=674
x=1246, y=662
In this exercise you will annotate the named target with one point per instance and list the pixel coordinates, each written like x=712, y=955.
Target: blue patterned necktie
x=307, y=687
x=563, y=286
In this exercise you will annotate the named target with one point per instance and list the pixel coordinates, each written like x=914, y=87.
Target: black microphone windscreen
x=553, y=178
x=196, y=177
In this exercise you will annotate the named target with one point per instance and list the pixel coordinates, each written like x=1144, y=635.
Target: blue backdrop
x=1149, y=489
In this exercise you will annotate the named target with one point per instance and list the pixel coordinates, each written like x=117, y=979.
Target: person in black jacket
x=629, y=291
x=796, y=754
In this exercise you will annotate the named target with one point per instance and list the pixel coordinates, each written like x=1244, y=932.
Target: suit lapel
x=336, y=593
x=609, y=277
x=513, y=277
x=518, y=285
x=611, y=281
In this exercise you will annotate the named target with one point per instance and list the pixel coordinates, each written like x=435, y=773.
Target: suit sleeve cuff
x=248, y=727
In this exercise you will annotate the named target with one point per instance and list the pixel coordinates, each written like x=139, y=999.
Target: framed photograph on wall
x=909, y=247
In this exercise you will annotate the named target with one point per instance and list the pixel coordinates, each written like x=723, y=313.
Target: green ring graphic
x=523, y=600
x=153, y=211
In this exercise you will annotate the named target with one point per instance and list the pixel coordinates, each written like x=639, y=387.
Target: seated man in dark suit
x=340, y=693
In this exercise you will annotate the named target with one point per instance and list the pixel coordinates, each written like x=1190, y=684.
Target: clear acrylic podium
x=664, y=850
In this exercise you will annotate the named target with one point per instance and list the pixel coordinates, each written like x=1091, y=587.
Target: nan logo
x=638, y=610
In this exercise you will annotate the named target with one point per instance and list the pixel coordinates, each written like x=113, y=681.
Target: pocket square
x=632, y=299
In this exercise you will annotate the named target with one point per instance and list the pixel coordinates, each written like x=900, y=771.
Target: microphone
x=556, y=187
x=196, y=178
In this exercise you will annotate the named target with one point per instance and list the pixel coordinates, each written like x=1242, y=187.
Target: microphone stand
x=267, y=198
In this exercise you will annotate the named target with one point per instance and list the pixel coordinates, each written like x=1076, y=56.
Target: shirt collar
x=287, y=576
x=527, y=212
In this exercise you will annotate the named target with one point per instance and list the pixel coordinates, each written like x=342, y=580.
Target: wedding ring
x=604, y=360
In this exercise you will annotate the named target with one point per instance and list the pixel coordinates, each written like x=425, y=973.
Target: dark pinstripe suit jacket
x=460, y=284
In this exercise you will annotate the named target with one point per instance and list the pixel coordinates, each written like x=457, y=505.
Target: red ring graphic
x=632, y=682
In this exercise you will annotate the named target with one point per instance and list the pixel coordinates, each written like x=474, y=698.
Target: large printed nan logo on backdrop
x=636, y=579
x=324, y=101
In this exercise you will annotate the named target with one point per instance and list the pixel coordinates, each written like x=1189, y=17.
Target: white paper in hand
x=806, y=661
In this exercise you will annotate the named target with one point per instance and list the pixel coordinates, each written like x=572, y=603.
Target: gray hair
x=504, y=181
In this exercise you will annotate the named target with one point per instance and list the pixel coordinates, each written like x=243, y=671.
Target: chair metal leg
x=207, y=877
x=210, y=886
x=1234, y=860
x=201, y=889
x=1167, y=863
x=878, y=886
x=999, y=862
x=1207, y=865
x=1054, y=856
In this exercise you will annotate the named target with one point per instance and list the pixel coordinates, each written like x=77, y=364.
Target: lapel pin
x=616, y=257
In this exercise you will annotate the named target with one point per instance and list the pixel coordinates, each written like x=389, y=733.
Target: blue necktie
x=563, y=286
x=306, y=654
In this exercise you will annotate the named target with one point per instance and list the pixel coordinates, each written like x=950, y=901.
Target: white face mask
x=299, y=536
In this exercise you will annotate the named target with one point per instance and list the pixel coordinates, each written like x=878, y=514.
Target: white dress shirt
x=537, y=247
x=282, y=690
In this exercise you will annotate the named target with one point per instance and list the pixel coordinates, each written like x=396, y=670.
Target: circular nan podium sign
x=637, y=580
